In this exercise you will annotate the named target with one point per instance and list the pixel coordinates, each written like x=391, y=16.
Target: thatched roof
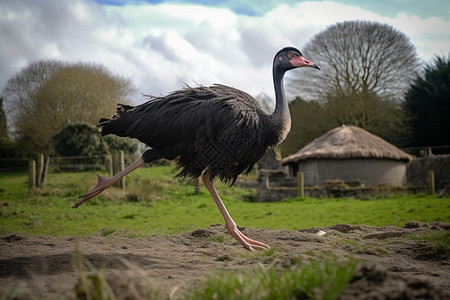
x=347, y=142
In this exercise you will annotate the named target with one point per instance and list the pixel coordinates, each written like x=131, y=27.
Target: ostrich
x=215, y=131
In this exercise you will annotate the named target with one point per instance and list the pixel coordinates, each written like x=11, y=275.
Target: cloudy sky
x=162, y=44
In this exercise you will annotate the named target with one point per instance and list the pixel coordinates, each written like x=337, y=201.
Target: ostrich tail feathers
x=102, y=122
x=117, y=125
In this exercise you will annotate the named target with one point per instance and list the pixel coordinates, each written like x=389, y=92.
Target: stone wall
x=417, y=171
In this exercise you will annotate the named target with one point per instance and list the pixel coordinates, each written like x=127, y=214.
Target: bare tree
x=47, y=96
x=20, y=87
x=3, y=128
x=367, y=69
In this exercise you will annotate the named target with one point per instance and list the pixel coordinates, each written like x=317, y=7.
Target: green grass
x=313, y=280
x=440, y=241
x=156, y=203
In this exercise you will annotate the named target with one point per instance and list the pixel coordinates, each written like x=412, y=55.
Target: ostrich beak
x=301, y=62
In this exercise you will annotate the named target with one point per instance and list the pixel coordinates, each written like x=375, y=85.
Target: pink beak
x=301, y=62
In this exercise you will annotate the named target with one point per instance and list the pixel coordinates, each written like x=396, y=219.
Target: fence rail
x=63, y=163
x=13, y=164
x=427, y=150
x=77, y=163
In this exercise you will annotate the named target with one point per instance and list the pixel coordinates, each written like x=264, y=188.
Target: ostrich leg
x=229, y=223
x=103, y=183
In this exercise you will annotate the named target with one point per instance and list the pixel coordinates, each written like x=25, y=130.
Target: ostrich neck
x=281, y=116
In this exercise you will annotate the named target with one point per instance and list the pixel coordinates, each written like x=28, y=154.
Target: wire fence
x=77, y=163
x=97, y=162
x=427, y=150
x=14, y=164
x=56, y=163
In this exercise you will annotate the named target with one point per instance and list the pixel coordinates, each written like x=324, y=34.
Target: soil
x=392, y=266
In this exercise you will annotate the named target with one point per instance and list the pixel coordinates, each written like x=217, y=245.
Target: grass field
x=157, y=203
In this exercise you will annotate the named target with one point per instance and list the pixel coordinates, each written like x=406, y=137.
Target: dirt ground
x=392, y=265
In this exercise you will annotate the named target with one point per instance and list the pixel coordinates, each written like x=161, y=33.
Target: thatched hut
x=350, y=154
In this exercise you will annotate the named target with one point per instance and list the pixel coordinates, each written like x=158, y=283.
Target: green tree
x=427, y=104
x=375, y=114
x=47, y=96
x=84, y=140
x=367, y=68
x=308, y=122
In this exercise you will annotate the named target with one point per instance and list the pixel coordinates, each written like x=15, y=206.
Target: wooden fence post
x=122, y=167
x=431, y=182
x=109, y=165
x=197, y=185
x=39, y=169
x=115, y=167
x=31, y=176
x=44, y=173
x=300, y=184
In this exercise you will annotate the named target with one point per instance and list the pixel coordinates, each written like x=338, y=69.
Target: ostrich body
x=215, y=131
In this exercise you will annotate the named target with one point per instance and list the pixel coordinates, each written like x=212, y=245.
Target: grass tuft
x=440, y=241
x=216, y=238
x=269, y=255
x=106, y=231
x=324, y=280
x=91, y=284
x=94, y=283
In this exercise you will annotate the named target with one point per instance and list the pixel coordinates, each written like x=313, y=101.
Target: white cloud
x=430, y=36
x=161, y=46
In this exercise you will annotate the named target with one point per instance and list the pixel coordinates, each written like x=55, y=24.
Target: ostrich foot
x=247, y=242
x=102, y=184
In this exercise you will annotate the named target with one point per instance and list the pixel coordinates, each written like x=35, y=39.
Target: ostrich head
x=289, y=58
